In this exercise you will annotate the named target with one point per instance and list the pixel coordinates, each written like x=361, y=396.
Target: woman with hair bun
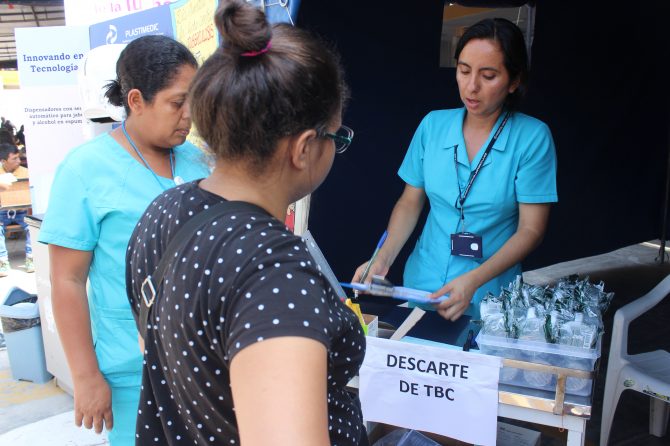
x=99, y=192
x=246, y=341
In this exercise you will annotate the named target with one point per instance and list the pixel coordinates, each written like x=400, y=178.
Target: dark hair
x=6, y=150
x=149, y=64
x=513, y=46
x=262, y=84
x=6, y=137
x=8, y=125
x=20, y=136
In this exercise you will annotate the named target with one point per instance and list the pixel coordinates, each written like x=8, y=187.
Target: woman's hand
x=378, y=268
x=403, y=220
x=92, y=396
x=460, y=291
x=532, y=224
x=93, y=403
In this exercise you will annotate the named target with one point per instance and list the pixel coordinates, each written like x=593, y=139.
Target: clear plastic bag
x=19, y=311
x=11, y=325
x=405, y=437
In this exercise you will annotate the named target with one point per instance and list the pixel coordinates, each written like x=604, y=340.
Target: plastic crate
x=542, y=353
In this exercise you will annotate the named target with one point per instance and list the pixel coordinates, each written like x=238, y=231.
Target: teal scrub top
x=98, y=194
x=521, y=168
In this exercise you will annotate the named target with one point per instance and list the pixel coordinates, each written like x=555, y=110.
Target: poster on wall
x=155, y=21
x=193, y=22
x=86, y=12
x=49, y=59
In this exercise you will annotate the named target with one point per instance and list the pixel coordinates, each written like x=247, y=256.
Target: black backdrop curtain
x=596, y=80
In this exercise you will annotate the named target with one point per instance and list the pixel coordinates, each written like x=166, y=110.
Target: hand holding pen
x=371, y=268
x=353, y=302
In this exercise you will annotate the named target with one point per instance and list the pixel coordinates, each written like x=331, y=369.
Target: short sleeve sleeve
x=284, y=296
x=536, y=177
x=70, y=220
x=411, y=169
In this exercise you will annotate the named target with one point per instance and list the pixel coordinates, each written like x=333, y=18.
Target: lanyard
x=462, y=195
x=132, y=144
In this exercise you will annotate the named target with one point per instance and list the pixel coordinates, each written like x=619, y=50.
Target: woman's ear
x=514, y=85
x=135, y=101
x=300, y=147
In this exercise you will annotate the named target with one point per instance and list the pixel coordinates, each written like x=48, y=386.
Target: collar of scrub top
x=482, y=157
x=455, y=139
x=173, y=160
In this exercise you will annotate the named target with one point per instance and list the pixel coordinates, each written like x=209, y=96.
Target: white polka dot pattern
x=244, y=279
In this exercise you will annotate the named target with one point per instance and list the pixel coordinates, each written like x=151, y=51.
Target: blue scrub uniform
x=521, y=168
x=98, y=195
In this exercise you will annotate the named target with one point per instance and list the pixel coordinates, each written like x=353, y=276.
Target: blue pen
x=374, y=255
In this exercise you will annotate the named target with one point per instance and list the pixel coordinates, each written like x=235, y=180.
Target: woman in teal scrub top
x=99, y=192
x=489, y=173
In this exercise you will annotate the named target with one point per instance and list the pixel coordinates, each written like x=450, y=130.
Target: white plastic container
x=542, y=353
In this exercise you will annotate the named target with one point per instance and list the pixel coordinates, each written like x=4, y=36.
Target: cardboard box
x=17, y=195
x=511, y=435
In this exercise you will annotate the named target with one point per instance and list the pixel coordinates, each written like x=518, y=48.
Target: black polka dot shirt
x=241, y=279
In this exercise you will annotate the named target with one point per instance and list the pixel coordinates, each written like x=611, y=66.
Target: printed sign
x=433, y=389
x=154, y=21
x=85, y=12
x=49, y=61
x=45, y=57
x=194, y=26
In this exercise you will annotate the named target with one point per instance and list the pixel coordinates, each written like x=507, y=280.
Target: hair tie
x=259, y=52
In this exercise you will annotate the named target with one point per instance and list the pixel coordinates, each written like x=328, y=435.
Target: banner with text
x=154, y=21
x=193, y=22
x=432, y=389
x=86, y=12
x=49, y=59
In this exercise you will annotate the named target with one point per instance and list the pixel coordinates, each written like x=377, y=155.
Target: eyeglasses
x=342, y=137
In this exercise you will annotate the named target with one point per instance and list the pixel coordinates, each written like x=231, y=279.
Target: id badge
x=466, y=244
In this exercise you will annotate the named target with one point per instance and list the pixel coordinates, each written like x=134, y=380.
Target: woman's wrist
x=86, y=373
x=475, y=277
x=383, y=261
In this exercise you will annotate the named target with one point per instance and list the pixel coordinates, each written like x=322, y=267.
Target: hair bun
x=242, y=26
x=114, y=94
